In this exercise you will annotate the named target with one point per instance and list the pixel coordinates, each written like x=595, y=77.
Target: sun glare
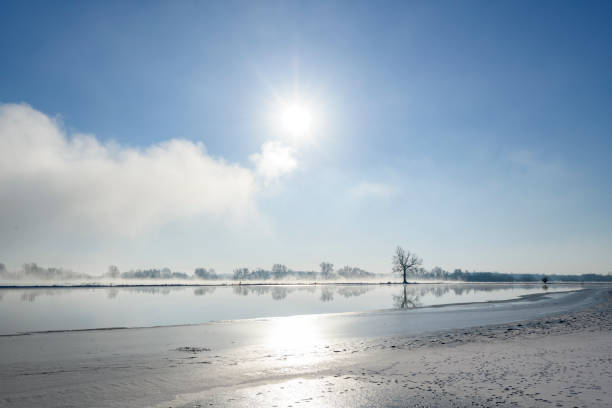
x=296, y=119
x=299, y=333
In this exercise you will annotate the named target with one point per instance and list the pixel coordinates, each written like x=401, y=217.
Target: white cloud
x=275, y=160
x=372, y=189
x=50, y=178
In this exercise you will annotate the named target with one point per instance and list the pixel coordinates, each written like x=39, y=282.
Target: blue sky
x=477, y=134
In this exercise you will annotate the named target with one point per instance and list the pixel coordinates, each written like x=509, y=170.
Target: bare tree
x=326, y=269
x=279, y=271
x=405, y=262
x=113, y=272
x=204, y=273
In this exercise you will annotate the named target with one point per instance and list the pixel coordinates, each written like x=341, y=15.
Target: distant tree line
x=32, y=271
x=438, y=273
x=279, y=272
x=164, y=273
x=407, y=264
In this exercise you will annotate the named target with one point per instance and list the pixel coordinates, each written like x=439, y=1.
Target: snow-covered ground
x=201, y=364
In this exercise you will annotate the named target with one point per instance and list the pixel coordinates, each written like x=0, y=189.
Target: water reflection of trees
x=152, y=290
x=204, y=290
x=460, y=289
x=277, y=292
x=407, y=297
x=113, y=292
x=246, y=290
x=354, y=291
x=31, y=295
x=326, y=294
x=405, y=300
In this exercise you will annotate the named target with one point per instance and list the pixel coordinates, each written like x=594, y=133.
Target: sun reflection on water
x=298, y=333
x=296, y=342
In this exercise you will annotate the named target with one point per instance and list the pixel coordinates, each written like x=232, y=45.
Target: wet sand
x=554, y=350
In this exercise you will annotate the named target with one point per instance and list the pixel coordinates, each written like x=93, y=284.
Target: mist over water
x=43, y=309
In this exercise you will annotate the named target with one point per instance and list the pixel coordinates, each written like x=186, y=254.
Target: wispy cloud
x=275, y=160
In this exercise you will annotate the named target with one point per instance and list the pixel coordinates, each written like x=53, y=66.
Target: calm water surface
x=26, y=310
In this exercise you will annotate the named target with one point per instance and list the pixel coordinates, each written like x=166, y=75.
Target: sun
x=296, y=119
